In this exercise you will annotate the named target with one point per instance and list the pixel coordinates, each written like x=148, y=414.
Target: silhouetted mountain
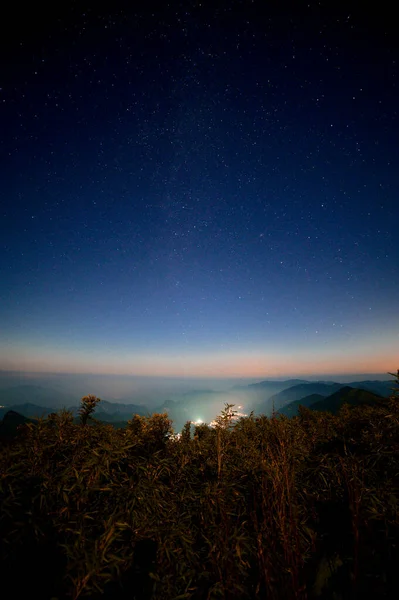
x=346, y=395
x=270, y=384
x=297, y=392
x=12, y=419
x=117, y=418
x=27, y=410
x=10, y=423
x=206, y=404
x=291, y=409
x=382, y=388
x=40, y=400
x=255, y=394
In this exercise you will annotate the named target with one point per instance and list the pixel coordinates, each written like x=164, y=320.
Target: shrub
x=260, y=507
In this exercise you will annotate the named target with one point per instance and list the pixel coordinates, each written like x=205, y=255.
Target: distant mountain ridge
x=383, y=388
x=11, y=419
x=291, y=409
x=27, y=410
x=296, y=392
x=346, y=395
x=286, y=395
x=332, y=403
x=255, y=393
x=283, y=383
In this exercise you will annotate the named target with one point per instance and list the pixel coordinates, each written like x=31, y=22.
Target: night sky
x=205, y=189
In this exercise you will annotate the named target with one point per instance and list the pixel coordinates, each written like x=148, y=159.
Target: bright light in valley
x=238, y=415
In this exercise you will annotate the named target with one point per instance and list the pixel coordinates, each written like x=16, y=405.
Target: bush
x=264, y=507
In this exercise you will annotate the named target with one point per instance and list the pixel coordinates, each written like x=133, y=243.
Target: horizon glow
x=356, y=359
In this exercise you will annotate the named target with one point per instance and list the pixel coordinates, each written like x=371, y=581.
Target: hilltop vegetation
x=302, y=507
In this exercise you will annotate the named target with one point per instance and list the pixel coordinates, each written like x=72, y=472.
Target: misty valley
x=201, y=406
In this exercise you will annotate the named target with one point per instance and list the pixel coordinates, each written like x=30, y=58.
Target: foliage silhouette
x=88, y=406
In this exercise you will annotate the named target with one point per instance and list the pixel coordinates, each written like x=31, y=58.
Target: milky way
x=200, y=189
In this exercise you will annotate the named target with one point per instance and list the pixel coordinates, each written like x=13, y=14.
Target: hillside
x=110, y=411
x=274, y=387
x=291, y=409
x=381, y=388
x=296, y=392
x=10, y=423
x=256, y=393
x=27, y=410
x=346, y=395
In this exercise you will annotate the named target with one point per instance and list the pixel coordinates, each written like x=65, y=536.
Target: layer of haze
x=147, y=391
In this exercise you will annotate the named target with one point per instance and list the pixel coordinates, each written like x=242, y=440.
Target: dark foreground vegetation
x=279, y=508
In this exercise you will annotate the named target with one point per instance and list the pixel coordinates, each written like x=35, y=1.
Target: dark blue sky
x=200, y=189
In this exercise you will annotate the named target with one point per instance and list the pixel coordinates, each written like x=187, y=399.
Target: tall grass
x=262, y=508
